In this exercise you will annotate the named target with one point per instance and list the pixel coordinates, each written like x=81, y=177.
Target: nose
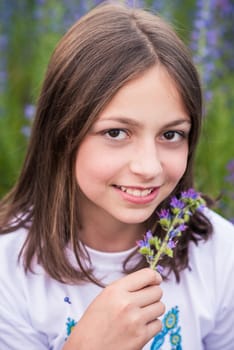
x=146, y=161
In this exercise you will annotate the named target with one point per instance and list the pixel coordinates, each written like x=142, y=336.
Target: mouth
x=136, y=191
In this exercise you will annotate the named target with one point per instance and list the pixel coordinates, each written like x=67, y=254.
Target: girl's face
x=136, y=151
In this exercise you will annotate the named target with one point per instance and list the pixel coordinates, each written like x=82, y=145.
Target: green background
x=29, y=31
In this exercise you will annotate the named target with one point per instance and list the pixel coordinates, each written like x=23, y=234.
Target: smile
x=136, y=192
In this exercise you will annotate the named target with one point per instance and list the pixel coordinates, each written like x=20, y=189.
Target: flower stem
x=164, y=243
x=160, y=252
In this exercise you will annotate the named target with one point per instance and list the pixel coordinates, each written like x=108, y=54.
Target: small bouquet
x=174, y=221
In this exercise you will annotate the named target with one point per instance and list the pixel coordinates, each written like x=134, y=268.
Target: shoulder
x=21, y=298
x=223, y=230
x=10, y=248
x=211, y=262
x=11, y=243
x=218, y=250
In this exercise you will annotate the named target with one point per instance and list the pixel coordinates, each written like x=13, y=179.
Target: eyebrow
x=132, y=122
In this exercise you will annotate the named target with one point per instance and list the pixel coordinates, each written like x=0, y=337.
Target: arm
x=16, y=330
x=16, y=334
x=222, y=336
x=123, y=316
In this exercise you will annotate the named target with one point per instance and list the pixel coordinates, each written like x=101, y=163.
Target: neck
x=110, y=236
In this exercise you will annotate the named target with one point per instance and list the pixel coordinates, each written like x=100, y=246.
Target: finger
x=141, y=279
x=153, y=328
x=152, y=312
x=148, y=295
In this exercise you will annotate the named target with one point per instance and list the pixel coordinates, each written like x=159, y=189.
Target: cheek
x=176, y=165
x=94, y=164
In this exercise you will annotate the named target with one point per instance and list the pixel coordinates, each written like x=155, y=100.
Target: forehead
x=152, y=92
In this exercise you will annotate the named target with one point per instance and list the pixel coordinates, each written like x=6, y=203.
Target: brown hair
x=102, y=51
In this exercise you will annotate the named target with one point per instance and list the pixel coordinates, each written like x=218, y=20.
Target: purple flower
x=227, y=199
x=171, y=244
x=177, y=231
x=29, y=111
x=176, y=203
x=174, y=221
x=143, y=243
x=148, y=235
x=26, y=131
x=191, y=193
x=159, y=268
x=230, y=166
x=212, y=41
x=164, y=214
x=182, y=227
x=173, y=233
x=204, y=40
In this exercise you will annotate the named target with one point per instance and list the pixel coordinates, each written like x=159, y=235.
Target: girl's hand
x=123, y=316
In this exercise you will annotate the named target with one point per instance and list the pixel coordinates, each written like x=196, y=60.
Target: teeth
x=136, y=192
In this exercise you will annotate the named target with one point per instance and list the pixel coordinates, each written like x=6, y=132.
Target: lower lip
x=138, y=200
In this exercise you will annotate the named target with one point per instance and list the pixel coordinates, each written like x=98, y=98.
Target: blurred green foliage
x=29, y=31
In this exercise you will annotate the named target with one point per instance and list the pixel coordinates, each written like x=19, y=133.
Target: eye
x=117, y=134
x=174, y=136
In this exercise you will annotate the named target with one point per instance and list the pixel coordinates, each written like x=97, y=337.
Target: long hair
x=106, y=48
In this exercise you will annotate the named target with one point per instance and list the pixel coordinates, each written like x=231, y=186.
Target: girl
x=117, y=123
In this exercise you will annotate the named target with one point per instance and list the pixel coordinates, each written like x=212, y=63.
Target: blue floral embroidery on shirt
x=67, y=300
x=170, y=329
x=70, y=325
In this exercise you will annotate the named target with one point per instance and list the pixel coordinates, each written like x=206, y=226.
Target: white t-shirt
x=38, y=313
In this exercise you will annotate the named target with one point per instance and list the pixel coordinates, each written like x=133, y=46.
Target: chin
x=134, y=219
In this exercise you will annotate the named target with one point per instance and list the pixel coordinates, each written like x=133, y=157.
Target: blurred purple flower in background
x=135, y=3
x=204, y=42
x=225, y=14
x=230, y=176
x=165, y=8
x=72, y=12
x=228, y=192
x=29, y=112
x=6, y=12
x=212, y=40
x=3, y=61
